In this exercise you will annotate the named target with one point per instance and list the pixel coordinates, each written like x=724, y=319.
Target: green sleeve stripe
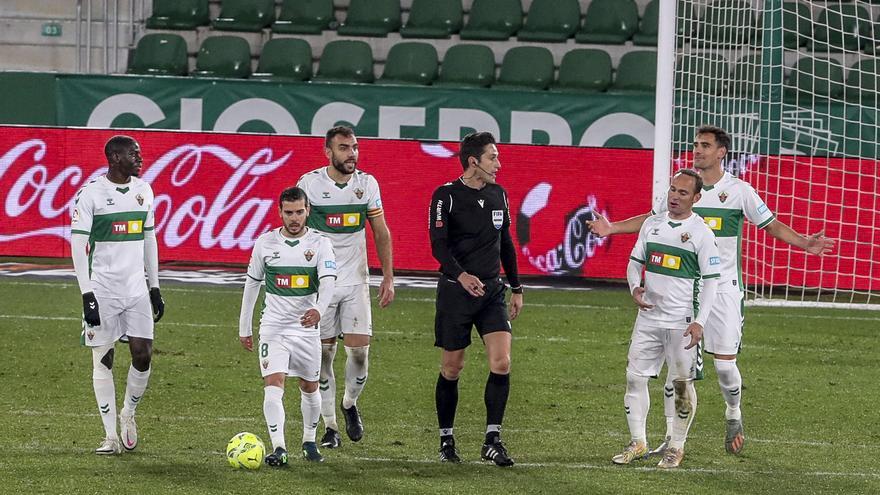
x=83, y=232
x=711, y=275
x=767, y=222
x=642, y=262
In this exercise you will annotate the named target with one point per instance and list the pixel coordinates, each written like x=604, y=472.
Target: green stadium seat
x=346, y=61
x=223, y=56
x=526, y=67
x=728, y=22
x=584, y=70
x=467, y=66
x=863, y=82
x=410, y=63
x=648, y=25
x=285, y=59
x=871, y=38
x=551, y=21
x=433, y=19
x=178, y=14
x=609, y=22
x=686, y=24
x=493, y=20
x=636, y=73
x=705, y=73
x=160, y=54
x=374, y=18
x=815, y=77
x=841, y=27
x=797, y=24
x=304, y=17
x=245, y=15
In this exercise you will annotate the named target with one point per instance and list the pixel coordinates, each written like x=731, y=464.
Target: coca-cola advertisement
x=216, y=193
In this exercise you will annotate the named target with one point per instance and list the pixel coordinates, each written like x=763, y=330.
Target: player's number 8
x=264, y=350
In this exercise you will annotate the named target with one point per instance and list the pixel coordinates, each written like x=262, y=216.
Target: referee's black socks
x=446, y=398
x=497, y=390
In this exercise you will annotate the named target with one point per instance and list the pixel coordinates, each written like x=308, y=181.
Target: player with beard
x=112, y=241
x=344, y=199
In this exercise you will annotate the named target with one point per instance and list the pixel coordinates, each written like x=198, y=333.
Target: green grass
x=810, y=404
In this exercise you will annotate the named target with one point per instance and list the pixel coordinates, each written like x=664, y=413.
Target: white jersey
x=724, y=206
x=115, y=217
x=341, y=212
x=292, y=270
x=677, y=254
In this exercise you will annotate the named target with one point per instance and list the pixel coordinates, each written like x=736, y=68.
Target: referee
x=469, y=223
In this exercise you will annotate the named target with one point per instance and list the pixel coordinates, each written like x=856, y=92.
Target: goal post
x=795, y=83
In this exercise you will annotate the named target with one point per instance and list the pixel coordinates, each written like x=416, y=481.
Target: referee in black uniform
x=470, y=237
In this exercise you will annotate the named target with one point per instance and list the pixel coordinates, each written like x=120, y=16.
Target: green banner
x=377, y=111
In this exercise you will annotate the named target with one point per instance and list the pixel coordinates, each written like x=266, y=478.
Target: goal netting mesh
x=795, y=84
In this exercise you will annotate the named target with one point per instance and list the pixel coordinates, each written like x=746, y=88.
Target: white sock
x=310, y=405
x=356, y=364
x=105, y=390
x=636, y=403
x=730, y=381
x=327, y=386
x=273, y=409
x=685, y=410
x=668, y=404
x=135, y=386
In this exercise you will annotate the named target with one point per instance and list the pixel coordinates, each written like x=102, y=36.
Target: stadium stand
x=636, y=73
x=815, y=77
x=467, y=66
x=609, y=22
x=526, y=67
x=830, y=38
x=245, y=15
x=648, y=24
x=584, y=70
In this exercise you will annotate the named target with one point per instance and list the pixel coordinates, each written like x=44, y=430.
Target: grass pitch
x=810, y=404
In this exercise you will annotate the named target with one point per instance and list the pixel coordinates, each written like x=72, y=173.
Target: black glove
x=158, y=304
x=90, y=310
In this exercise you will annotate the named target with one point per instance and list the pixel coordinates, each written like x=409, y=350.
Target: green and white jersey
x=724, y=207
x=115, y=217
x=341, y=212
x=677, y=254
x=292, y=270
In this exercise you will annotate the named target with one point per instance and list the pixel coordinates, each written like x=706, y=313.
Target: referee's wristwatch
x=517, y=290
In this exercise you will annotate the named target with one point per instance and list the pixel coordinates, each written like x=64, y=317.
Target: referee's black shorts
x=457, y=312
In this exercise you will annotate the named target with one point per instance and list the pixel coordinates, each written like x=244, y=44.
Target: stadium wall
x=216, y=192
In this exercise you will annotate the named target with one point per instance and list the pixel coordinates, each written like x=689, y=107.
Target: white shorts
x=651, y=345
x=293, y=355
x=132, y=316
x=723, y=332
x=349, y=312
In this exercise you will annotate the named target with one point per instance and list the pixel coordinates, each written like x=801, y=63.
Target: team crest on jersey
x=497, y=218
x=722, y=197
x=359, y=193
x=140, y=199
x=685, y=237
x=309, y=254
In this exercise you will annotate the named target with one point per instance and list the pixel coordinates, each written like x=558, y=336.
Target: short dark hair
x=340, y=130
x=292, y=194
x=721, y=136
x=473, y=145
x=117, y=144
x=698, y=181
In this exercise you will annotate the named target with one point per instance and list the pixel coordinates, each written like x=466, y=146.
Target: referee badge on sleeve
x=497, y=218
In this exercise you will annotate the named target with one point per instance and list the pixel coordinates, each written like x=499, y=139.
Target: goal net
x=795, y=84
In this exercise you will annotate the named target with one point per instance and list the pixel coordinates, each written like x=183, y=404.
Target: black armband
x=517, y=290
